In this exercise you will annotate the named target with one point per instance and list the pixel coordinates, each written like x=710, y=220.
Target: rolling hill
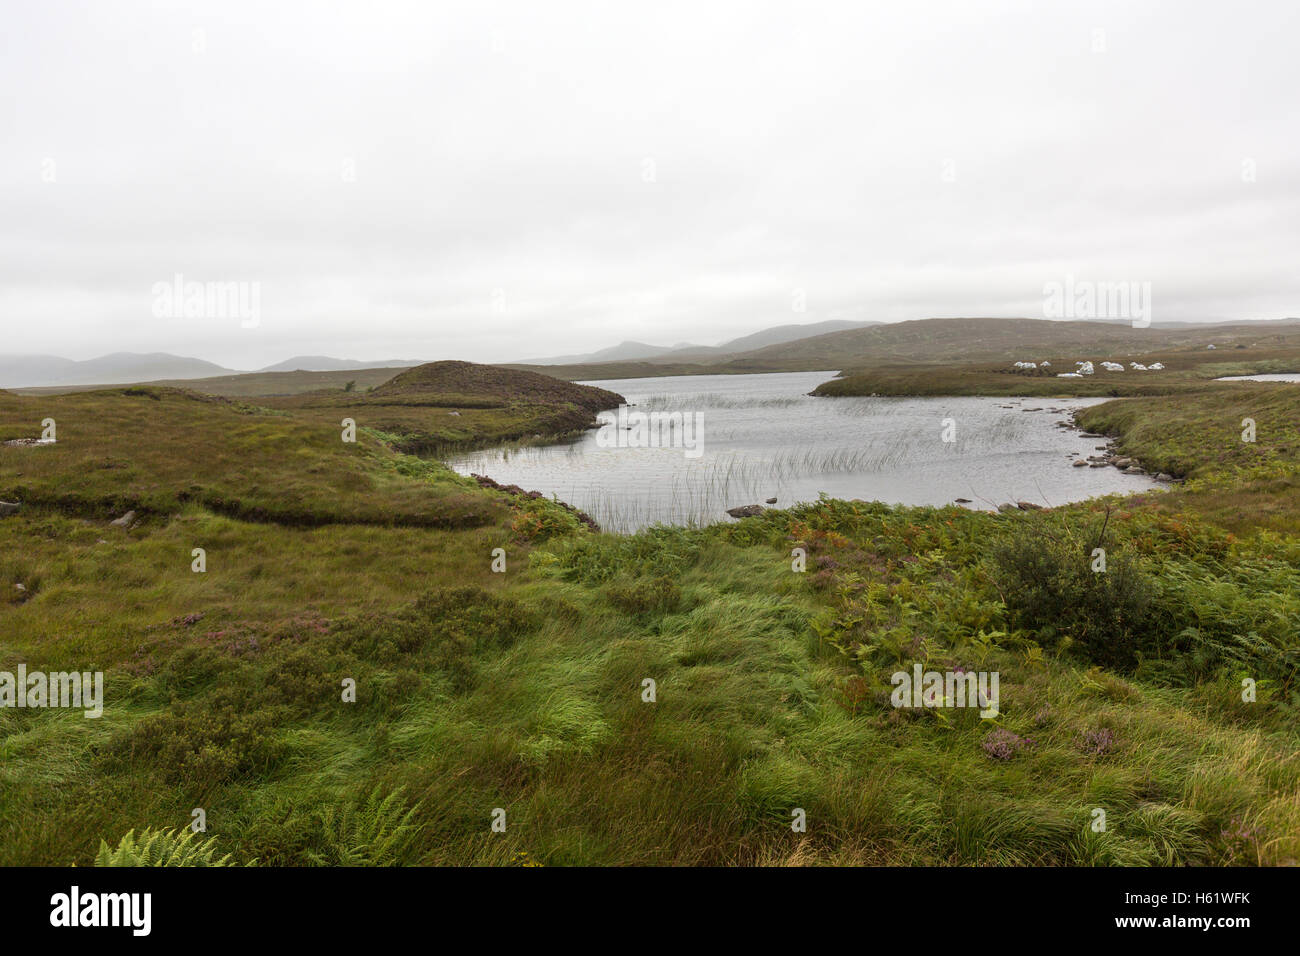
x=440, y=406
x=990, y=339
x=444, y=382
x=17, y=371
x=325, y=363
x=684, y=352
x=627, y=351
x=129, y=368
x=927, y=341
x=776, y=335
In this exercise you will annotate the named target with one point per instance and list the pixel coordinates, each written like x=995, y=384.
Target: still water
x=763, y=436
x=1266, y=377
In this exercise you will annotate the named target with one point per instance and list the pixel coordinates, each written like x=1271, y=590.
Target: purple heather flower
x=1002, y=744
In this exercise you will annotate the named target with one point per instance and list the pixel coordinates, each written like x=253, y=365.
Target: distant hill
x=251, y=384
x=789, y=333
x=623, y=352
x=324, y=363
x=988, y=339
x=120, y=368
x=686, y=352
x=130, y=368
x=818, y=346
x=923, y=341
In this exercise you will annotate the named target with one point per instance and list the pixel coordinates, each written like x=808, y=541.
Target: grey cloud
x=504, y=150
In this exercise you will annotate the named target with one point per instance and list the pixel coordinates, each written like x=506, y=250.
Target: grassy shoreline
x=1184, y=372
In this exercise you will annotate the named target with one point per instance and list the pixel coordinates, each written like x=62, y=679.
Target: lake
x=1268, y=377
x=763, y=436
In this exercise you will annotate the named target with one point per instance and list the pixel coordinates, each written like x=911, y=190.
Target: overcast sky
x=494, y=181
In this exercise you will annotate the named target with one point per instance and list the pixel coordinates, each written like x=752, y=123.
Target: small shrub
x=1002, y=744
x=1049, y=587
x=540, y=519
x=203, y=742
x=446, y=628
x=1098, y=742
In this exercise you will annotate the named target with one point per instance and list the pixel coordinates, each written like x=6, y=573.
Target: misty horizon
x=347, y=361
x=497, y=183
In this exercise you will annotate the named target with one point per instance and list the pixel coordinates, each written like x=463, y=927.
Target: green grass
x=523, y=691
x=157, y=450
x=442, y=407
x=1240, y=484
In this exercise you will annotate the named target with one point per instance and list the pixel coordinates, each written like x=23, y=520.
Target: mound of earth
x=492, y=381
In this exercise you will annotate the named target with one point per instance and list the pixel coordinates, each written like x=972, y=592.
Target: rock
x=745, y=511
x=771, y=501
x=1098, y=447
x=1123, y=462
x=125, y=521
x=1134, y=470
x=1028, y=506
x=1080, y=463
x=1164, y=477
x=1007, y=506
x=485, y=482
x=20, y=587
x=454, y=414
x=9, y=507
x=1098, y=464
x=962, y=501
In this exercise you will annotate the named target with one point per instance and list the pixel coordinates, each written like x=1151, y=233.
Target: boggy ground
x=523, y=690
x=1186, y=371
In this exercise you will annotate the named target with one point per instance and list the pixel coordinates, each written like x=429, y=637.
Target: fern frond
x=161, y=848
